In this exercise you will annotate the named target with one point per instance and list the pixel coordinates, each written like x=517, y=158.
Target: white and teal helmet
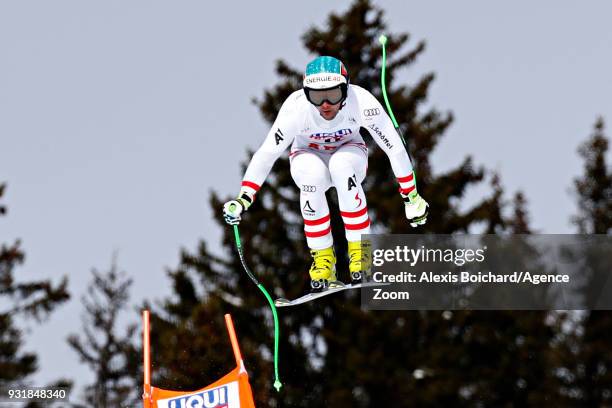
x=325, y=73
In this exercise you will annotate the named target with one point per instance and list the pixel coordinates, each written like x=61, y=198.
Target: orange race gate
x=231, y=391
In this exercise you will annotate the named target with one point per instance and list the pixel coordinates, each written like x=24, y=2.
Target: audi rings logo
x=308, y=189
x=371, y=112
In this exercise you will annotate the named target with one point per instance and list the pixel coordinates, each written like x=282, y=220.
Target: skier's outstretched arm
x=379, y=125
x=279, y=137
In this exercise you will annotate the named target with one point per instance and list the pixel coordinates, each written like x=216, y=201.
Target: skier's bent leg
x=348, y=167
x=311, y=175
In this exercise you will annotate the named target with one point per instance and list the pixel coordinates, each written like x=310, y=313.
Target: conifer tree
x=591, y=376
x=112, y=357
x=594, y=188
x=18, y=300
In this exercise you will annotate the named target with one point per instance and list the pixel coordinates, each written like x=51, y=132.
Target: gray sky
x=118, y=118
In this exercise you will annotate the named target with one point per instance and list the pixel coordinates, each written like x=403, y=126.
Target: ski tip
x=277, y=385
x=282, y=302
x=382, y=39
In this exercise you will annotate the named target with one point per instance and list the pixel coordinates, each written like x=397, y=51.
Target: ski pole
x=383, y=41
x=277, y=383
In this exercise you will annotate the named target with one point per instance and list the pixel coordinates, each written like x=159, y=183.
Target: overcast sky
x=118, y=118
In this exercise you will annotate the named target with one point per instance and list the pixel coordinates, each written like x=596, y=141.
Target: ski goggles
x=319, y=96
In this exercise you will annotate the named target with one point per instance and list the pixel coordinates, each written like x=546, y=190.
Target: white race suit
x=326, y=153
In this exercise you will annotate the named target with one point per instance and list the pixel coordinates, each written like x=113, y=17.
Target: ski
x=282, y=302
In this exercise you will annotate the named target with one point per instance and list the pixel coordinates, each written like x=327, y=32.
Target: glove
x=234, y=208
x=416, y=208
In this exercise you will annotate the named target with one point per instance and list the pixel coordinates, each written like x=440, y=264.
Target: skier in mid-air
x=322, y=122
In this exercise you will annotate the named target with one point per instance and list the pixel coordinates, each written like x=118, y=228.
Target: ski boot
x=359, y=260
x=323, y=270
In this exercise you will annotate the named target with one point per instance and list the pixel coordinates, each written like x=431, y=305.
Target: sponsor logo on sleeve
x=381, y=136
x=278, y=136
x=368, y=113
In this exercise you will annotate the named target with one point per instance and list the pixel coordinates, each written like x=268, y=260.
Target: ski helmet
x=324, y=73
